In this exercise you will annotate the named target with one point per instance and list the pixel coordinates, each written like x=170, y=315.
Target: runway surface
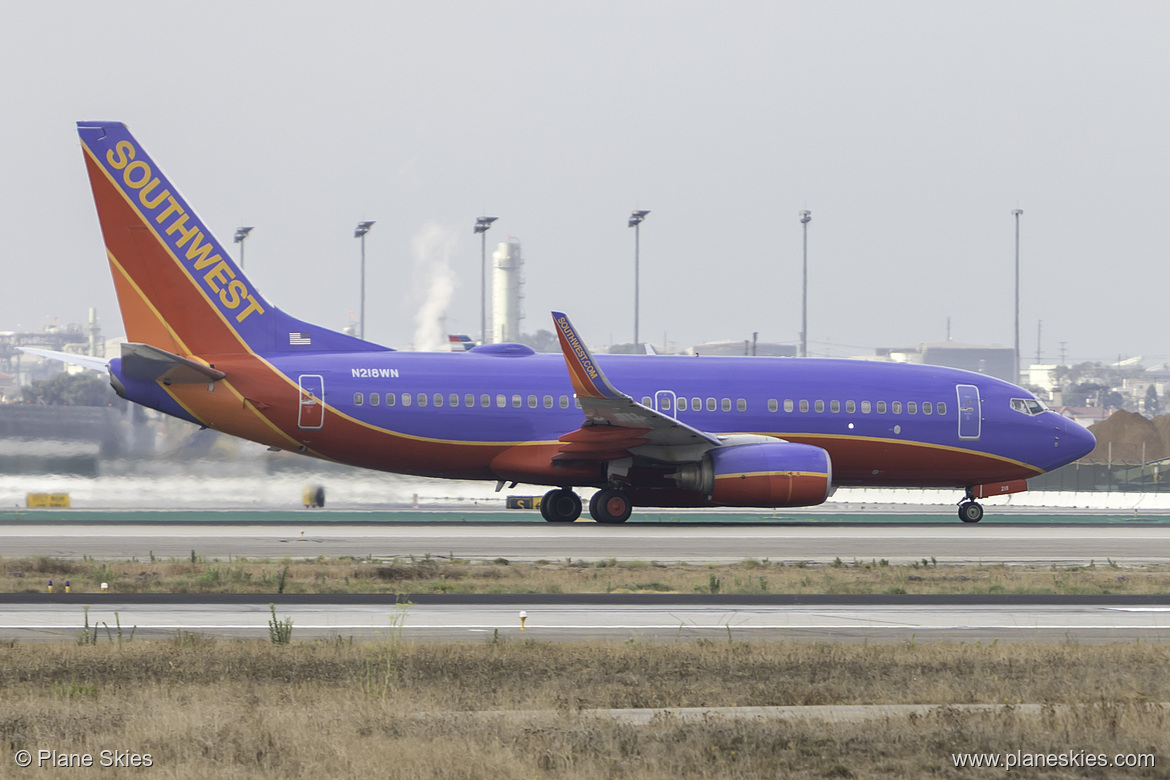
x=948, y=542
x=32, y=617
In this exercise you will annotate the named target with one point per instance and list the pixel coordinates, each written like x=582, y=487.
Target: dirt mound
x=1128, y=432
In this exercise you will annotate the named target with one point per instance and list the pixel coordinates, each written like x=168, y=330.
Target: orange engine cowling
x=771, y=474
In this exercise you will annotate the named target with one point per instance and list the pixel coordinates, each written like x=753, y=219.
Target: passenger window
x=711, y=405
x=548, y=402
x=501, y=400
x=438, y=399
x=741, y=404
x=896, y=407
x=726, y=404
x=865, y=407
x=942, y=407
x=881, y=407
x=375, y=399
x=820, y=406
x=422, y=399
x=576, y=402
x=564, y=402
x=532, y=402
x=788, y=404
x=804, y=406
x=453, y=399
x=851, y=407
x=772, y=405
x=911, y=407
x=406, y=399
x=469, y=400
x=485, y=400
x=927, y=407
x=645, y=400
x=516, y=400
x=835, y=406
x=696, y=404
x=682, y=404
x=666, y=404
x=390, y=399
x=358, y=399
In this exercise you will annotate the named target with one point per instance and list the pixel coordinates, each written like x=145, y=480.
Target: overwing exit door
x=665, y=401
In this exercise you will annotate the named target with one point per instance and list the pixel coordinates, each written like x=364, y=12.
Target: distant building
x=745, y=347
x=998, y=362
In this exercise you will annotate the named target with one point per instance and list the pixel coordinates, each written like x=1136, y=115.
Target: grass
x=442, y=575
x=202, y=708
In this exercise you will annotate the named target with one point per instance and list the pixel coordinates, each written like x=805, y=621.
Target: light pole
x=805, y=218
x=636, y=218
x=482, y=225
x=360, y=232
x=1016, y=213
x=241, y=234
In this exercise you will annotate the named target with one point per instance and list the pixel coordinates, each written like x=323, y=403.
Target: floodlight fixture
x=241, y=234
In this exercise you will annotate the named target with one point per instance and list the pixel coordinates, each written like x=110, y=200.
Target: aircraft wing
x=86, y=361
x=143, y=361
x=616, y=426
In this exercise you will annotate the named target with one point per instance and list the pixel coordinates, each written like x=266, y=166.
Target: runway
x=946, y=542
x=33, y=617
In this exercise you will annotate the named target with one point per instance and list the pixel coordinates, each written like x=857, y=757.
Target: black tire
x=611, y=506
x=970, y=512
x=560, y=505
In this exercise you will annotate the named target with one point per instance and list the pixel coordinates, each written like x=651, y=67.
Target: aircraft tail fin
x=178, y=288
x=460, y=342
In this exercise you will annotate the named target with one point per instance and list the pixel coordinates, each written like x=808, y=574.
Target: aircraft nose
x=1078, y=442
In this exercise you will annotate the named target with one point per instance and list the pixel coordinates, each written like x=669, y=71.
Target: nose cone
x=1077, y=441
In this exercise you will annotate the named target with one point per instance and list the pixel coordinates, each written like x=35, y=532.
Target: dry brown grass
x=405, y=710
x=440, y=575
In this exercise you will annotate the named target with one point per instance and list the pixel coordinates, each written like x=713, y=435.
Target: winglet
x=586, y=376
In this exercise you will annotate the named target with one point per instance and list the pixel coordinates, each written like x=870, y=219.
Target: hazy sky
x=910, y=129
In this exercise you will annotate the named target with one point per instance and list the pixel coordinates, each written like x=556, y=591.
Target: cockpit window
x=1028, y=406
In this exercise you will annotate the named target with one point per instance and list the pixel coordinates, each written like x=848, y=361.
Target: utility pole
x=482, y=225
x=360, y=232
x=805, y=218
x=1017, y=213
x=636, y=218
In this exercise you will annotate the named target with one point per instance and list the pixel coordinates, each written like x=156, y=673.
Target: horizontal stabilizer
x=86, y=361
x=142, y=361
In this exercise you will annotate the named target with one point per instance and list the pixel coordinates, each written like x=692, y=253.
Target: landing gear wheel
x=970, y=512
x=610, y=506
x=560, y=505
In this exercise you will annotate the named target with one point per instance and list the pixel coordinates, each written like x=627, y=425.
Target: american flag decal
x=299, y=338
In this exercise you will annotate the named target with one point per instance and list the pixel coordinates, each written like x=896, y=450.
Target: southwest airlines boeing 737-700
x=644, y=430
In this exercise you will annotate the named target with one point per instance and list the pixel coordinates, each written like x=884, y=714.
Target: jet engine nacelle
x=768, y=474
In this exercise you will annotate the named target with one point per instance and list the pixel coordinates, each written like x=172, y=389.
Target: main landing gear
x=563, y=505
x=970, y=511
x=560, y=505
x=610, y=506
